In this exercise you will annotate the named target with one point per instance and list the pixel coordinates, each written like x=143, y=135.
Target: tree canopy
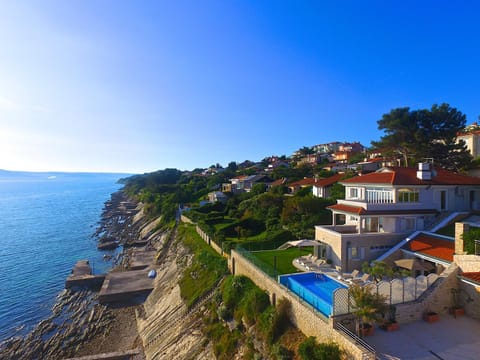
x=425, y=133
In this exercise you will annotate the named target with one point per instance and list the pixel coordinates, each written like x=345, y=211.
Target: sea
x=47, y=222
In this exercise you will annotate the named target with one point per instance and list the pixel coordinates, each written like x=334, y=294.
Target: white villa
x=384, y=207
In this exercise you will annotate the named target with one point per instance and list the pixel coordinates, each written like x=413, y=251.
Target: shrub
x=253, y=304
x=279, y=352
x=274, y=322
x=469, y=238
x=310, y=350
x=233, y=290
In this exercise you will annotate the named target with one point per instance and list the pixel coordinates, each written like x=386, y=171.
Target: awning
x=414, y=264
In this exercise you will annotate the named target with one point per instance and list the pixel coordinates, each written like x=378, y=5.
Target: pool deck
x=447, y=339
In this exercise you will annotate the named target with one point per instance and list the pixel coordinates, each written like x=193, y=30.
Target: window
x=410, y=224
x=408, y=195
x=354, y=193
x=380, y=248
x=356, y=253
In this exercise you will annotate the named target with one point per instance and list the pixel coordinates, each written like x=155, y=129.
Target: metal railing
x=368, y=351
x=259, y=264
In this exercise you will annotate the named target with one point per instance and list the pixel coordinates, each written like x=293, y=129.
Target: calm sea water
x=46, y=225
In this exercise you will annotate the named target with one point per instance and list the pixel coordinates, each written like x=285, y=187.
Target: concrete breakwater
x=77, y=319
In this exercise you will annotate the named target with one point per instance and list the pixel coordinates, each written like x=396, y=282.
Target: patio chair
x=319, y=262
x=351, y=275
x=364, y=279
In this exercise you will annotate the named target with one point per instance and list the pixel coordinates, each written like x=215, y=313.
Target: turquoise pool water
x=315, y=289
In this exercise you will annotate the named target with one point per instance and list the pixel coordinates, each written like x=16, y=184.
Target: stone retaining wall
x=208, y=240
x=185, y=219
x=302, y=315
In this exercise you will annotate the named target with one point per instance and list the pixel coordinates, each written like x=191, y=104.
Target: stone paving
x=447, y=339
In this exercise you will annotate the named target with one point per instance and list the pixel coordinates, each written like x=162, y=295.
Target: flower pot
x=367, y=330
x=391, y=326
x=431, y=317
x=457, y=311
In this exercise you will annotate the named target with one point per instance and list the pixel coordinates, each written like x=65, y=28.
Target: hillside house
x=244, y=183
x=383, y=207
x=471, y=137
x=293, y=187
x=321, y=187
x=215, y=196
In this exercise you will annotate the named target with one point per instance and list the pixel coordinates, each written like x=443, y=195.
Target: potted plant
x=367, y=307
x=391, y=323
x=456, y=309
x=430, y=316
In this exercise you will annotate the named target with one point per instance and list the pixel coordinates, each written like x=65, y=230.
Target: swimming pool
x=315, y=289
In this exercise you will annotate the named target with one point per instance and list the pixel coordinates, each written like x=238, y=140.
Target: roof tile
x=432, y=246
x=408, y=176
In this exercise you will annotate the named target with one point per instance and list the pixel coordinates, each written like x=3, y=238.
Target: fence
x=367, y=350
x=264, y=267
x=397, y=291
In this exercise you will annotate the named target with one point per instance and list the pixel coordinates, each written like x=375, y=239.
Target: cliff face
x=165, y=327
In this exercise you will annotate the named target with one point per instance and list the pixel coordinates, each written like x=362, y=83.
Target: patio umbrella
x=299, y=243
x=414, y=264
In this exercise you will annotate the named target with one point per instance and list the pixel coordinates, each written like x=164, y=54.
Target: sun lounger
x=351, y=275
x=360, y=280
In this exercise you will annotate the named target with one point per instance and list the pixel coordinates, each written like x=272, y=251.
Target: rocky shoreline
x=79, y=325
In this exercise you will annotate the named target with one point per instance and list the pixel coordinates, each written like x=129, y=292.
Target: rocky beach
x=78, y=324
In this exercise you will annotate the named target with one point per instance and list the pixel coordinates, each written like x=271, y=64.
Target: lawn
x=284, y=258
x=206, y=268
x=448, y=230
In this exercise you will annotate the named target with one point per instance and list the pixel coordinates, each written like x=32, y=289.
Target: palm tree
x=367, y=306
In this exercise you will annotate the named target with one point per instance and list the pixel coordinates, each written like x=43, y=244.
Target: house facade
x=321, y=187
x=383, y=207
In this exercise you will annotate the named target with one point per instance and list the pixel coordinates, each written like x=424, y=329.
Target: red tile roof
x=303, y=182
x=408, y=176
x=279, y=182
x=328, y=181
x=361, y=211
x=474, y=276
x=347, y=209
x=432, y=246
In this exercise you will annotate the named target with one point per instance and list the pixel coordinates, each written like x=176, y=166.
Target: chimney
x=424, y=171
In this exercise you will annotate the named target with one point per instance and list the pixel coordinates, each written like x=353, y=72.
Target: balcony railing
x=379, y=196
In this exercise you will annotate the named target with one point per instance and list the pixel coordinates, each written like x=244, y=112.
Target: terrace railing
x=397, y=291
x=368, y=351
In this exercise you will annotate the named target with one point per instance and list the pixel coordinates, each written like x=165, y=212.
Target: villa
x=382, y=208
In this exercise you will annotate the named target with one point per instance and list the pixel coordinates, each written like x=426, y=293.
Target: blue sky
x=135, y=86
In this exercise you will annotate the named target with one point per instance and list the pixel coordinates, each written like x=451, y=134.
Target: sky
x=135, y=86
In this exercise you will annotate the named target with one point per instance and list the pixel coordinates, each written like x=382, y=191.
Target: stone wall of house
x=470, y=299
x=467, y=263
x=302, y=315
x=338, y=246
x=437, y=298
x=469, y=294
x=460, y=228
x=334, y=240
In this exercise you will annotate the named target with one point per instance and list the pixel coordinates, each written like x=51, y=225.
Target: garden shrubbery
x=311, y=350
